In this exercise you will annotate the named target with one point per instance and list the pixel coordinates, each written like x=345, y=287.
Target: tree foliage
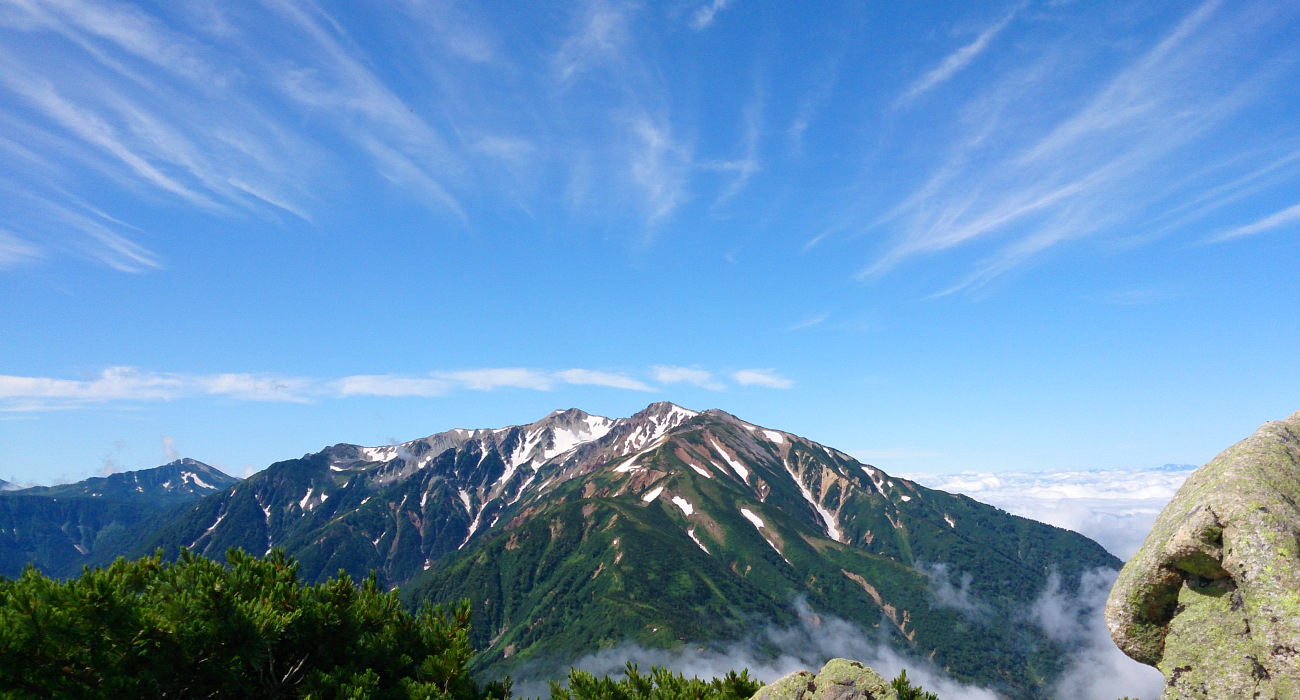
x=247, y=629
x=906, y=691
x=660, y=684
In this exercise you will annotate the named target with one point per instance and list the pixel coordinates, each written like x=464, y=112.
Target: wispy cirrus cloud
x=956, y=61
x=1289, y=215
x=15, y=251
x=1019, y=185
x=131, y=384
x=600, y=36
x=705, y=14
x=810, y=322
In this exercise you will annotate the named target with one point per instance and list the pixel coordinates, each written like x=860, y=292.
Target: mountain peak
x=177, y=481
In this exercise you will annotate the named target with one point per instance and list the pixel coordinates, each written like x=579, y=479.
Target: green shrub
x=906, y=691
x=661, y=684
x=246, y=629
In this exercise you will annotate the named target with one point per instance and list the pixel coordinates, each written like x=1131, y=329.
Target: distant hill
x=578, y=532
x=60, y=528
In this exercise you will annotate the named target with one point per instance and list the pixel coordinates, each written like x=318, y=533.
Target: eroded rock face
x=1212, y=598
x=839, y=679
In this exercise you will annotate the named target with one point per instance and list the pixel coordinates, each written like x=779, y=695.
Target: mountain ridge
x=579, y=532
x=62, y=527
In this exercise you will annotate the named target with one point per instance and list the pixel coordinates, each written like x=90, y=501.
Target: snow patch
x=905, y=498
x=774, y=436
x=379, y=454
x=191, y=476
x=749, y=515
x=631, y=463
x=702, y=472
x=214, y=525
x=654, y=493
x=951, y=523
x=464, y=498
x=691, y=532
x=737, y=466
x=565, y=440
x=684, y=504
x=827, y=517
x=267, y=512
x=303, y=503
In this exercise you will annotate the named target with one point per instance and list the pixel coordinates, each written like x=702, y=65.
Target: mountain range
x=578, y=533
x=61, y=528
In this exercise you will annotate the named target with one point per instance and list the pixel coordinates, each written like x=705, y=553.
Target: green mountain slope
x=61, y=528
x=665, y=546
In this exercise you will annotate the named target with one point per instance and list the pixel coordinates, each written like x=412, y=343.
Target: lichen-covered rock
x=795, y=686
x=839, y=679
x=1212, y=598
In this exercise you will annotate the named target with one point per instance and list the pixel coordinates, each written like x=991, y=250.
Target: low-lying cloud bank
x=1115, y=508
x=807, y=645
x=1097, y=669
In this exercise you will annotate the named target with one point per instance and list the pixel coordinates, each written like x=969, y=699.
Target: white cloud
x=596, y=378
x=601, y=35
x=497, y=378
x=705, y=15
x=761, y=377
x=390, y=385
x=669, y=374
x=1115, y=508
x=1267, y=223
x=658, y=165
x=956, y=61
x=809, y=322
x=1021, y=184
x=130, y=384
x=1098, y=670
x=169, y=448
x=808, y=645
x=946, y=595
x=15, y=251
x=747, y=165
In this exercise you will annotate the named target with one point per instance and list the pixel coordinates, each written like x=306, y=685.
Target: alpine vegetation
x=248, y=629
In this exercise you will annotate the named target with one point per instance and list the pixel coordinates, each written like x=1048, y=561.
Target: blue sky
x=940, y=236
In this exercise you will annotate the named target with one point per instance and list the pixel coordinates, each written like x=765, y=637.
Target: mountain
x=176, y=482
x=60, y=528
x=577, y=532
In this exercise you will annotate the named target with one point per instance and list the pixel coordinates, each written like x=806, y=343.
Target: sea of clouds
x=1115, y=508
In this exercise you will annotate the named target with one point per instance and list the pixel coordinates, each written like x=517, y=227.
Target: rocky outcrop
x=1212, y=598
x=839, y=679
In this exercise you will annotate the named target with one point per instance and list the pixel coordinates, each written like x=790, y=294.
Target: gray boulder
x=839, y=679
x=1212, y=598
